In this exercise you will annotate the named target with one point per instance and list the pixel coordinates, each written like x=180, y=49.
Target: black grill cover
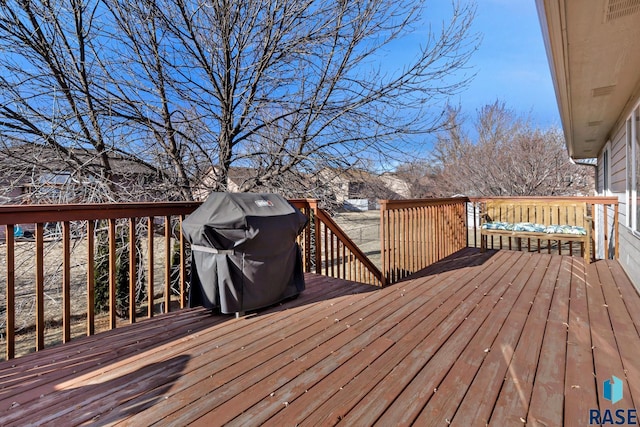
x=244, y=251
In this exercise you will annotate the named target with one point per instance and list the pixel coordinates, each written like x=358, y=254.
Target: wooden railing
x=329, y=251
x=55, y=259
x=417, y=233
x=47, y=234
x=603, y=210
x=50, y=270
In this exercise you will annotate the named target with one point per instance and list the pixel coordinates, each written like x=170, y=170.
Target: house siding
x=629, y=242
x=630, y=254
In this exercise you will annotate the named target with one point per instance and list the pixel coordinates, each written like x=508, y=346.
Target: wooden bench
x=540, y=212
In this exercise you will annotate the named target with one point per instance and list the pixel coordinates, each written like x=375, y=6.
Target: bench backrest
x=536, y=211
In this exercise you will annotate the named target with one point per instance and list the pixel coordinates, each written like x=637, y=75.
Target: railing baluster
x=167, y=265
x=39, y=286
x=326, y=250
x=606, y=230
x=66, y=282
x=91, y=293
x=338, y=258
x=345, y=261
x=112, y=273
x=183, y=267
x=151, y=264
x=11, y=296
x=334, y=256
x=615, y=230
x=132, y=270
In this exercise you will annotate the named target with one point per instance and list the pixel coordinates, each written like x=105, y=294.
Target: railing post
x=307, y=240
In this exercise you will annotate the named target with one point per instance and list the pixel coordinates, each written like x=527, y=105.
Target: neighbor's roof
x=47, y=159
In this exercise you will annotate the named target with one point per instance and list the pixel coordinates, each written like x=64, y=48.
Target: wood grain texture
x=504, y=338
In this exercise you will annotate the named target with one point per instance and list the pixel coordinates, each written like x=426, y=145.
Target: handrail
x=25, y=214
x=365, y=270
x=586, y=199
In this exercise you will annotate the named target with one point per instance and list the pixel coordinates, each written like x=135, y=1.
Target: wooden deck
x=501, y=338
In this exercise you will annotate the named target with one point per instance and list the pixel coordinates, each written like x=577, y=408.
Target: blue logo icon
x=612, y=390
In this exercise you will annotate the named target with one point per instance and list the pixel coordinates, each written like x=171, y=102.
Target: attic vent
x=594, y=123
x=602, y=91
x=620, y=8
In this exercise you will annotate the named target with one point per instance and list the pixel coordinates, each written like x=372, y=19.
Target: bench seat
x=535, y=219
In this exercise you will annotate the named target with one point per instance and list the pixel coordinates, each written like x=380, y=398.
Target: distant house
x=397, y=185
x=594, y=53
x=356, y=184
x=331, y=185
x=238, y=177
x=34, y=173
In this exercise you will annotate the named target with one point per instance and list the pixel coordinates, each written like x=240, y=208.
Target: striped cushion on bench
x=535, y=228
x=529, y=227
x=497, y=225
x=566, y=229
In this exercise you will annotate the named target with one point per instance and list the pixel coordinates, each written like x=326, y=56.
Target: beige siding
x=629, y=241
x=630, y=255
x=618, y=164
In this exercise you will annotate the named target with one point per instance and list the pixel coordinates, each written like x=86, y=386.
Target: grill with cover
x=244, y=251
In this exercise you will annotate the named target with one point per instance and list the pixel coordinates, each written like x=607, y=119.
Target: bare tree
x=187, y=88
x=509, y=158
x=56, y=94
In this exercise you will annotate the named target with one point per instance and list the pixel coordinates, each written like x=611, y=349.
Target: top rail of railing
x=24, y=214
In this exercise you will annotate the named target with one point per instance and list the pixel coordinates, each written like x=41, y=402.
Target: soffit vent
x=594, y=123
x=602, y=91
x=621, y=8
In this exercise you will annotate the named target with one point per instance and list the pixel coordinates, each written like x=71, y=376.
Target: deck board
x=625, y=332
x=498, y=338
x=606, y=351
x=512, y=405
x=547, y=398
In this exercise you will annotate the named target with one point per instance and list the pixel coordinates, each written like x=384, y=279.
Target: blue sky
x=511, y=64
